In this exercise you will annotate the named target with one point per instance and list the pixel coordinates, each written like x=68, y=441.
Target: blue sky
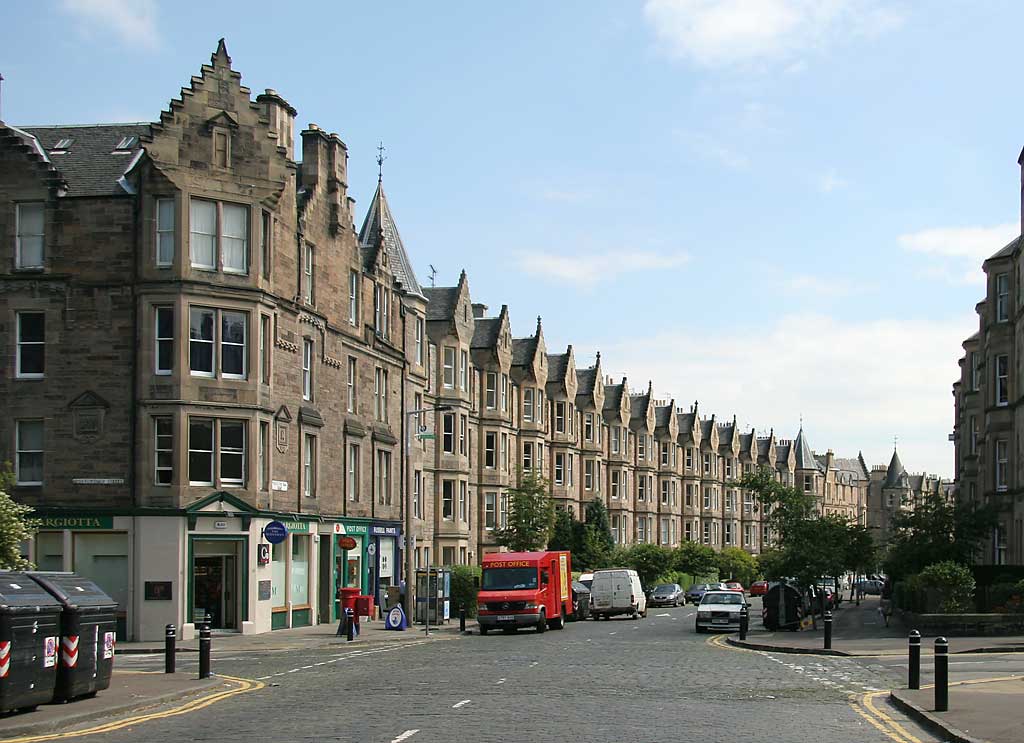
x=776, y=207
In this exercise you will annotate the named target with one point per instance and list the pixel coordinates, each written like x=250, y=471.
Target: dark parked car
x=580, y=601
x=872, y=587
x=667, y=594
x=696, y=592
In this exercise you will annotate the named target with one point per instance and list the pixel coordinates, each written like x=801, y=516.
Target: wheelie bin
x=29, y=635
x=88, y=627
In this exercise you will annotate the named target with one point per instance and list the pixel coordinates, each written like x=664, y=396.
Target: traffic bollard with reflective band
x=942, y=675
x=914, y=659
x=744, y=622
x=204, y=651
x=170, y=643
x=462, y=617
x=828, y=630
x=350, y=625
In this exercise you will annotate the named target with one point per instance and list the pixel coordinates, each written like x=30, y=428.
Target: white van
x=617, y=591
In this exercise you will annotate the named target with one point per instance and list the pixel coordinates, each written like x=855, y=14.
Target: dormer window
x=62, y=146
x=125, y=145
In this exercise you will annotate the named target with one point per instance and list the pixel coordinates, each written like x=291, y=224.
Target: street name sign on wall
x=275, y=532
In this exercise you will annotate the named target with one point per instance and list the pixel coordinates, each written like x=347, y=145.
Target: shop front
x=385, y=558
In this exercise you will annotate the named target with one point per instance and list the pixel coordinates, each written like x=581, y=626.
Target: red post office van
x=525, y=589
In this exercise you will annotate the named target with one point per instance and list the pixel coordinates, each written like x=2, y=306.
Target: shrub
x=464, y=588
x=1006, y=597
x=952, y=584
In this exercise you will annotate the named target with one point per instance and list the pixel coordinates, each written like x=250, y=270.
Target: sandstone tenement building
x=199, y=340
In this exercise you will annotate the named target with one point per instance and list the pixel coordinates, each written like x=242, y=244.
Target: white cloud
x=857, y=384
x=955, y=254
x=588, y=270
x=727, y=32
x=831, y=181
x=134, y=21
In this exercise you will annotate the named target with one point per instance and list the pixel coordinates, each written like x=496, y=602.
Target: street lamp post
x=410, y=581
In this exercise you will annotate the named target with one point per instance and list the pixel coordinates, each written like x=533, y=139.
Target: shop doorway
x=325, y=606
x=215, y=580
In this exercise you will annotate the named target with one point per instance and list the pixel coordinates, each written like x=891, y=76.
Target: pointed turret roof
x=380, y=231
x=895, y=471
x=804, y=456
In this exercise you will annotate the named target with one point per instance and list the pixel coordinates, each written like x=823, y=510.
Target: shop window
x=49, y=550
x=299, y=583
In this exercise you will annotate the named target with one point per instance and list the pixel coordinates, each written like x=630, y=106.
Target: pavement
x=986, y=690
x=129, y=692
x=140, y=690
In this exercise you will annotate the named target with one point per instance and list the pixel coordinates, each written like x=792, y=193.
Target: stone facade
x=201, y=341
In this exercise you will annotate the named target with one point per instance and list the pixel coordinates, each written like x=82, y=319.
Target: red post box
x=348, y=599
x=364, y=606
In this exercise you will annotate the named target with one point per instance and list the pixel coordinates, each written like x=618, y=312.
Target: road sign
x=371, y=549
x=275, y=532
x=346, y=543
x=426, y=436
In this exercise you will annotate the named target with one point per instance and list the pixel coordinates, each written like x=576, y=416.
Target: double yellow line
x=240, y=686
x=864, y=705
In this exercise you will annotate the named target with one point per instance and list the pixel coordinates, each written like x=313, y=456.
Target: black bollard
x=204, y=651
x=170, y=642
x=828, y=630
x=350, y=625
x=914, y=657
x=744, y=622
x=942, y=675
x=462, y=617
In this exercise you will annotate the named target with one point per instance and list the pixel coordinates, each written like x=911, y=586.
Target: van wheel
x=542, y=623
x=635, y=614
x=484, y=629
x=558, y=622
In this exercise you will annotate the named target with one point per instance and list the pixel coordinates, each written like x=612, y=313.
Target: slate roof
x=613, y=396
x=1006, y=250
x=557, y=364
x=379, y=221
x=725, y=434
x=762, y=446
x=638, y=406
x=892, y=475
x=663, y=415
x=782, y=452
x=585, y=381
x=747, y=443
x=485, y=332
x=853, y=466
x=804, y=456
x=89, y=166
x=706, y=426
x=523, y=350
x=685, y=421
x=441, y=301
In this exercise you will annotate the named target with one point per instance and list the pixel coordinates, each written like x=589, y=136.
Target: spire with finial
x=380, y=162
x=538, y=323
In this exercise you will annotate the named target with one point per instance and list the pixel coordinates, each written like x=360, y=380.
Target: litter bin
x=87, y=633
x=29, y=635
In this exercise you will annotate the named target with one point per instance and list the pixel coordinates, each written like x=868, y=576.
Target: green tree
x=937, y=530
x=598, y=521
x=737, y=564
x=698, y=560
x=650, y=561
x=15, y=525
x=563, y=534
x=531, y=515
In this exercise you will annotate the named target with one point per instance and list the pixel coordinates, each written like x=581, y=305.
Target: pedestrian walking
x=885, y=601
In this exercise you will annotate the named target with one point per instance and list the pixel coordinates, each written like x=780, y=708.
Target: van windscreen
x=509, y=579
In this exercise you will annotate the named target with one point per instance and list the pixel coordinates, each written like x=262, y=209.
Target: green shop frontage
x=212, y=561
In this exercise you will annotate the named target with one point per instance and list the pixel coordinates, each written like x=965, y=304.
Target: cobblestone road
x=620, y=680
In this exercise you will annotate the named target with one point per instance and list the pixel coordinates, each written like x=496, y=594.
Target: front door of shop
x=326, y=589
x=215, y=590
